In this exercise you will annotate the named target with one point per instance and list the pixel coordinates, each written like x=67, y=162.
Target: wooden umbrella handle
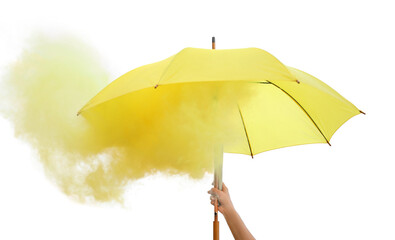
x=216, y=223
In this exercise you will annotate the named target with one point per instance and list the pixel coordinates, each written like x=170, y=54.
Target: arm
x=234, y=221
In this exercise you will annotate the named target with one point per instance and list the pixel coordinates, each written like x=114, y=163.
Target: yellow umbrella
x=288, y=107
x=243, y=100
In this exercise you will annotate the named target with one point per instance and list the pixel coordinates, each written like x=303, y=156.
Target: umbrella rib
x=304, y=110
x=245, y=130
x=167, y=68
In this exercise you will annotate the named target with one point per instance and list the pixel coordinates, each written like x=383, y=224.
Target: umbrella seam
x=304, y=110
x=168, y=66
x=281, y=64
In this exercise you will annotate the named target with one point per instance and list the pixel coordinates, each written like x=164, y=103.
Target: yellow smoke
x=40, y=93
x=94, y=156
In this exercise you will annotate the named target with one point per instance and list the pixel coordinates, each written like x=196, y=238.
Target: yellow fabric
x=244, y=98
x=199, y=65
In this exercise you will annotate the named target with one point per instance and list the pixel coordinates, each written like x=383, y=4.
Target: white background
x=346, y=191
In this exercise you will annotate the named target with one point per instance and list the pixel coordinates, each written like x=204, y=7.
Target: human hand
x=223, y=197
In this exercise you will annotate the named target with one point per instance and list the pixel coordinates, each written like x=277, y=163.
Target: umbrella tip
x=329, y=143
x=362, y=112
x=78, y=113
x=213, y=43
x=297, y=81
x=156, y=85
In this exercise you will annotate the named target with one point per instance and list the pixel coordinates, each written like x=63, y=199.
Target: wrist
x=228, y=211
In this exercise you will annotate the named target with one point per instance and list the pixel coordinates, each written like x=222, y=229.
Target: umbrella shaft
x=216, y=228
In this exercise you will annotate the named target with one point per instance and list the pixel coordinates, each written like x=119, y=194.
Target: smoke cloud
x=92, y=157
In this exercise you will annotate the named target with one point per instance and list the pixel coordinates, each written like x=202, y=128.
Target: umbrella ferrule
x=213, y=42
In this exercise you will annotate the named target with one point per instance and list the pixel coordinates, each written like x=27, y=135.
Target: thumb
x=215, y=191
x=224, y=188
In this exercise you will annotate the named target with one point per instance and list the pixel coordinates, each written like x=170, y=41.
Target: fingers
x=215, y=191
x=212, y=201
x=214, y=196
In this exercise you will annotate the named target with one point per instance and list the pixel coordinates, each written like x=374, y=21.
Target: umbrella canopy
x=244, y=99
